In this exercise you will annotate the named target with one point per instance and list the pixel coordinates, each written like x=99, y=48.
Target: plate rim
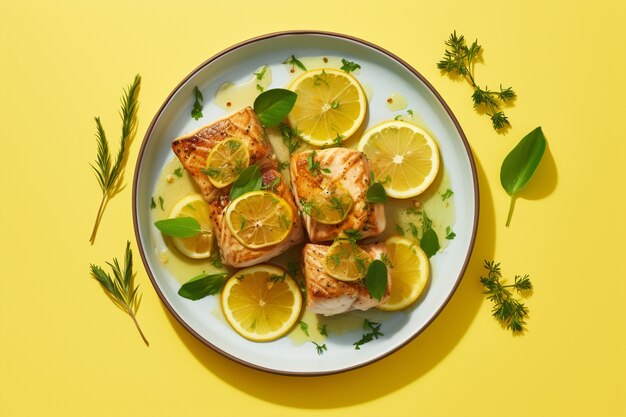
x=263, y=37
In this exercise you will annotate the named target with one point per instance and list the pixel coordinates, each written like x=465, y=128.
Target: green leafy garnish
x=304, y=327
x=461, y=59
x=376, y=193
x=314, y=165
x=272, y=106
x=349, y=66
x=449, y=233
x=196, y=111
x=161, y=201
x=110, y=176
x=507, y=310
x=292, y=268
x=182, y=227
x=376, y=279
x=259, y=75
x=178, y=172
x=249, y=180
x=202, y=285
x=375, y=333
x=152, y=203
x=429, y=242
x=121, y=290
x=400, y=230
x=520, y=165
x=449, y=193
x=322, y=329
x=320, y=348
x=294, y=62
x=291, y=137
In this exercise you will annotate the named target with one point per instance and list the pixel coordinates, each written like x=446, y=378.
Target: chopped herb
x=320, y=348
x=161, y=202
x=507, y=310
x=449, y=193
x=335, y=258
x=368, y=337
x=178, y=172
x=294, y=62
x=397, y=117
x=338, y=141
x=400, y=230
x=216, y=261
x=320, y=79
x=314, y=166
x=349, y=66
x=283, y=165
x=291, y=137
x=293, y=268
x=410, y=112
x=413, y=210
x=152, y=203
x=278, y=278
x=260, y=88
x=334, y=104
x=196, y=112
x=284, y=221
x=211, y=172
x=449, y=233
x=413, y=230
x=261, y=73
x=304, y=327
x=307, y=207
x=272, y=185
x=360, y=263
x=338, y=205
x=385, y=258
x=353, y=235
x=322, y=330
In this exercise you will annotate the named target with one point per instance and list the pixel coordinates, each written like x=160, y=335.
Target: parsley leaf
x=349, y=66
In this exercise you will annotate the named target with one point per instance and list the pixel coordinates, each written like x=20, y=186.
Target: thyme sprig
x=507, y=310
x=461, y=59
x=121, y=289
x=110, y=176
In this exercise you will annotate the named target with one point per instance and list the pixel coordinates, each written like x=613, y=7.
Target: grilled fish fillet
x=232, y=251
x=349, y=168
x=329, y=296
x=193, y=149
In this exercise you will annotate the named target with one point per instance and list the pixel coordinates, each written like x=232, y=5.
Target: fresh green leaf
x=449, y=233
x=261, y=73
x=202, y=285
x=291, y=137
x=304, y=327
x=179, y=227
x=196, y=111
x=249, y=180
x=294, y=62
x=272, y=106
x=320, y=348
x=152, y=203
x=520, y=165
x=400, y=230
x=430, y=242
x=376, y=279
x=161, y=201
x=349, y=66
x=413, y=230
x=178, y=172
x=376, y=193
x=447, y=194
x=314, y=165
x=375, y=333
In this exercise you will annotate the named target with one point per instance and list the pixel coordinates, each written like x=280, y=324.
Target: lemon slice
x=403, y=157
x=331, y=104
x=331, y=206
x=345, y=261
x=261, y=303
x=226, y=161
x=259, y=219
x=201, y=245
x=409, y=272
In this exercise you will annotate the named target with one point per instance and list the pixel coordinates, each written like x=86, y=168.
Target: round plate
x=385, y=74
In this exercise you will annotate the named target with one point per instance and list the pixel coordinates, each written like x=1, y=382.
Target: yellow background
x=66, y=350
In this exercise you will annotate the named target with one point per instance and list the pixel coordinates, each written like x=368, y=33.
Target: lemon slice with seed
x=330, y=107
x=331, y=206
x=410, y=269
x=261, y=303
x=346, y=261
x=403, y=156
x=201, y=245
x=259, y=219
x=226, y=161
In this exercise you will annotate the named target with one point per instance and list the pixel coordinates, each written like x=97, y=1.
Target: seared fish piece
x=329, y=296
x=232, y=251
x=337, y=167
x=193, y=149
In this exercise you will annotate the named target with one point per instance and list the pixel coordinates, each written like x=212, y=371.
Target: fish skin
x=352, y=169
x=329, y=296
x=193, y=148
x=235, y=254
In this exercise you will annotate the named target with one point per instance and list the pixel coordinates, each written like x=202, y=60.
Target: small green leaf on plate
x=249, y=180
x=376, y=279
x=430, y=242
x=274, y=105
x=202, y=285
x=376, y=193
x=179, y=227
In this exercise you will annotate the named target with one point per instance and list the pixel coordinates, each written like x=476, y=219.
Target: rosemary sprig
x=121, y=289
x=110, y=176
x=506, y=309
x=461, y=59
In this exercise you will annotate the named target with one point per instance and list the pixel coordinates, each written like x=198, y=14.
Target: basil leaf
x=376, y=193
x=249, y=180
x=520, y=165
x=430, y=242
x=202, y=285
x=376, y=279
x=274, y=105
x=179, y=226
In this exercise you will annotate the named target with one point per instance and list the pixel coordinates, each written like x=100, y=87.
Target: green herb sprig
x=121, y=289
x=109, y=175
x=509, y=311
x=349, y=66
x=461, y=59
x=294, y=62
x=196, y=111
x=374, y=333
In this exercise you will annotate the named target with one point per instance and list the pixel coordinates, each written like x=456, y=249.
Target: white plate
x=385, y=74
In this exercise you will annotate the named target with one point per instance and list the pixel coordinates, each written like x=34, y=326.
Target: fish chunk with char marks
x=193, y=149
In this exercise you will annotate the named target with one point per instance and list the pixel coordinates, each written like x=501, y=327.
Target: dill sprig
x=461, y=59
x=507, y=310
x=121, y=289
x=109, y=174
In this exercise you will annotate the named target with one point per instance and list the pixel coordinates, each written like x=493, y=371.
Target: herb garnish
x=376, y=279
x=461, y=59
x=320, y=348
x=429, y=242
x=400, y=230
x=121, y=290
x=449, y=193
x=507, y=310
x=161, y=201
x=375, y=333
x=520, y=165
x=110, y=177
x=314, y=166
x=182, y=227
x=178, y=172
x=294, y=62
x=449, y=233
x=202, y=285
x=304, y=327
x=272, y=106
x=196, y=111
x=376, y=192
x=293, y=268
x=152, y=203
x=322, y=329
x=249, y=180
x=291, y=137
x=349, y=66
